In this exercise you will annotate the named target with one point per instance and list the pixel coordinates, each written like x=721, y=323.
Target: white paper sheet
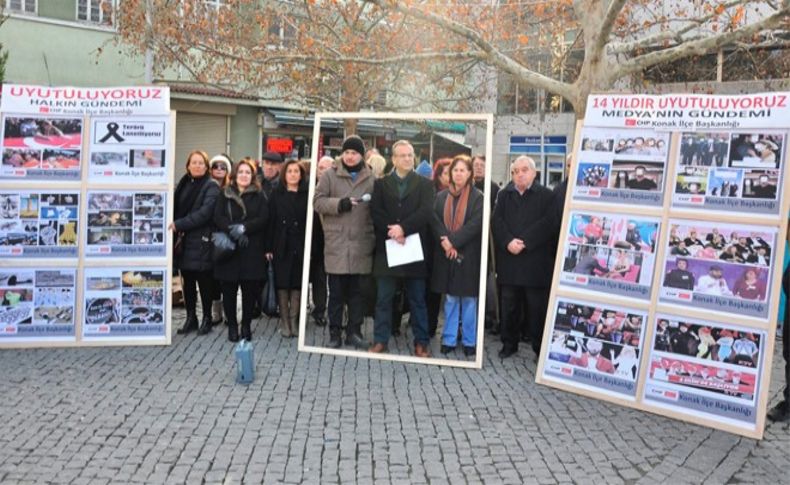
x=408, y=252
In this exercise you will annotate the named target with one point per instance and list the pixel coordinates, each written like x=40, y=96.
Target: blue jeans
x=466, y=308
x=415, y=291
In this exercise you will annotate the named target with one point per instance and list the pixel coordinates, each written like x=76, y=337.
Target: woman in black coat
x=195, y=198
x=288, y=207
x=458, y=228
x=242, y=212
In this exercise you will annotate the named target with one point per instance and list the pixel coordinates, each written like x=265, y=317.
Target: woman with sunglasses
x=195, y=198
x=242, y=212
x=220, y=167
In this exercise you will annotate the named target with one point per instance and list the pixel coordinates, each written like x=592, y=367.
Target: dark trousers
x=250, y=289
x=345, y=290
x=433, y=302
x=535, y=301
x=192, y=281
x=318, y=282
x=216, y=290
x=490, y=301
x=415, y=290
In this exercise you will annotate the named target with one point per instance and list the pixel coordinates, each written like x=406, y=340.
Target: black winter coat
x=246, y=263
x=197, y=226
x=451, y=277
x=286, y=235
x=529, y=217
x=412, y=212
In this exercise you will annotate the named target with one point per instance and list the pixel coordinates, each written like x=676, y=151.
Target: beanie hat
x=222, y=159
x=273, y=157
x=424, y=169
x=355, y=143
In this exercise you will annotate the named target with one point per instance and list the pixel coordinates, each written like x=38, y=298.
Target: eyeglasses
x=218, y=166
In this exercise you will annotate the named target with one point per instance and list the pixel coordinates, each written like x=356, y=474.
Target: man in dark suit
x=522, y=224
x=401, y=207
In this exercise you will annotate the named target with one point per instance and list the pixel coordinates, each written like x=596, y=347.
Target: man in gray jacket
x=348, y=238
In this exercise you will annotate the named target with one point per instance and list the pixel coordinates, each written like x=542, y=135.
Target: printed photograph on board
x=41, y=148
x=622, y=166
x=39, y=224
x=596, y=347
x=609, y=253
x=129, y=150
x=124, y=303
x=705, y=369
x=718, y=267
x=725, y=171
x=126, y=223
x=37, y=304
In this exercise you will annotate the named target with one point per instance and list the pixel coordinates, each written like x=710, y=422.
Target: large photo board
x=85, y=195
x=711, y=179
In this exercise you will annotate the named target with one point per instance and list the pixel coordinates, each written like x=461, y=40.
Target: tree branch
x=701, y=46
x=627, y=47
x=488, y=53
x=615, y=7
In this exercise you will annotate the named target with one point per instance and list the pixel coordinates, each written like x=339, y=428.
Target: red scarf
x=454, y=220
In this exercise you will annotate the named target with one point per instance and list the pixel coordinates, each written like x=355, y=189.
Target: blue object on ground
x=245, y=362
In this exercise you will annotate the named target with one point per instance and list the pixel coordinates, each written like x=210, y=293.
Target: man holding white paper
x=401, y=211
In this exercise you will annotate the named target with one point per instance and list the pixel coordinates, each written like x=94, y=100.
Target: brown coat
x=348, y=237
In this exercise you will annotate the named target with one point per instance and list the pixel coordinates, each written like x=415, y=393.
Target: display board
x=85, y=193
x=668, y=278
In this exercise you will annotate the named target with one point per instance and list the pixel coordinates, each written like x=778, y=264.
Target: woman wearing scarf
x=242, y=212
x=195, y=198
x=457, y=226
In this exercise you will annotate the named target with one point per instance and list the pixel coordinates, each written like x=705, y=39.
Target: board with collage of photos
x=686, y=248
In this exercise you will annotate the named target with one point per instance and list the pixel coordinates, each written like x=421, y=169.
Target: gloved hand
x=235, y=231
x=344, y=205
x=243, y=241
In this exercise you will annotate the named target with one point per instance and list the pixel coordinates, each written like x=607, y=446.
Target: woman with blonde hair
x=194, y=201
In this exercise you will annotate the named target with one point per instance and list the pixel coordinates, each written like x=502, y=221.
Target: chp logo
x=630, y=122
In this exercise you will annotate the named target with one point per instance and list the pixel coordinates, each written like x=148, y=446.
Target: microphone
x=364, y=198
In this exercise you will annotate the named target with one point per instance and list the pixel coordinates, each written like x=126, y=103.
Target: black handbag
x=270, y=298
x=223, y=246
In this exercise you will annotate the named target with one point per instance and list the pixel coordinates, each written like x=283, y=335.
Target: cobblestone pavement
x=174, y=415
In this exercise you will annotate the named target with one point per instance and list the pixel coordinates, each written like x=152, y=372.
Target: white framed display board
x=667, y=283
x=86, y=182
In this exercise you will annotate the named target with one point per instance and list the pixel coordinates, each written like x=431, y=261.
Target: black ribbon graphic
x=112, y=132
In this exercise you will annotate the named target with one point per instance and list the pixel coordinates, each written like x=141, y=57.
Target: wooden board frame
x=83, y=186
x=654, y=307
x=488, y=119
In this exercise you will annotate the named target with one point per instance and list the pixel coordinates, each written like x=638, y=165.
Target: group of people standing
x=263, y=215
x=370, y=221
x=369, y=227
